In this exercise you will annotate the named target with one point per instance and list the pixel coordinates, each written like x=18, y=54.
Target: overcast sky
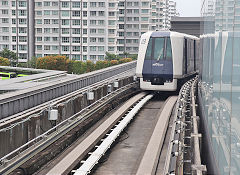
x=189, y=7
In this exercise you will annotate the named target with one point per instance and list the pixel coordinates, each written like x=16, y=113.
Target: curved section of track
x=139, y=153
x=78, y=153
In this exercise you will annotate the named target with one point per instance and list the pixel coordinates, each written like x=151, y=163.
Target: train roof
x=169, y=33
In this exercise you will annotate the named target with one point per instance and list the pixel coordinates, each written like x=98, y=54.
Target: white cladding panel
x=141, y=53
x=177, y=41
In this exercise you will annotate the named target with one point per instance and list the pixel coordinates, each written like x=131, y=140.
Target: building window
x=47, y=12
x=22, y=30
x=100, y=40
x=111, y=4
x=101, y=13
x=54, y=30
x=93, y=40
x=76, y=48
x=93, y=31
x=5, y=12
x=47, y=3
x=65, y=31
x=5, y=20
x=65, y=48
x=76, y=4
x=84, y=48
x=47, y=47
x=38, y=21
x=38, y=4
x=5, y=38
x=46, y=21
x=76, y=31
x=76, y=39
x=22, y=13
x=5, y=3
x=47, y=30
x=54, y=47
x=110, y=48
x=38, y=39
x=22, y=21
x=39, y=30
x=54, y=12
x=39, y=47
x=65, y=40
x=54, y=3
x=39, y=13
x=93, y=4
x=111, y=22
x=84, y=31
x=76, y=22
x=22, y=39
x=22, y=4
x=55, y=38
x=101, y=4
x=84, y=40
x=84, y=4
x=100, y=48
x=93, y=13
x=14, y=30
x=93, y=48
x=100, y=31
x=65, y=13
x=111, y=40
x=65, y=22
x=5, y=29
x=76, y=13
x=13, y=3
x=55, y=21
x=84, y=23
x=93, y=22
x=65, y=4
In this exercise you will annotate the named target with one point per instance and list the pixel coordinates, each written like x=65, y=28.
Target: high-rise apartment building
x=81, y=30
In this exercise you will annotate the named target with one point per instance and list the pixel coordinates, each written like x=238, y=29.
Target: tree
x=4, y=62
x=32, y=63
x=125, y=54
x=110, y=56
x=11, y=56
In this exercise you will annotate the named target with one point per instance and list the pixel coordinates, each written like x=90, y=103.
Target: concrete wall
x=38, y=124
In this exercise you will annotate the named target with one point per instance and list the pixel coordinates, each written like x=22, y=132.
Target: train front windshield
x=158, y=66
x=159, y=49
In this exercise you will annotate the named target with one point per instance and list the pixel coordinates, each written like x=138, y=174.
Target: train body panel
x=163, y=59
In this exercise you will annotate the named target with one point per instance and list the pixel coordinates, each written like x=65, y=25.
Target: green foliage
x=32, y=63
x=4, y=62
x=52, y=63
x=110, y=56
x=77, y=67
x=11, y=56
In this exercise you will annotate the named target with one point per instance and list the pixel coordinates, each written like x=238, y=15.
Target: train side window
x=169, y=49
x=159, y=45
x=149, y=50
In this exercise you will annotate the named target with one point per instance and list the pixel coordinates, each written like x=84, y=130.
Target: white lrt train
x=166, y=59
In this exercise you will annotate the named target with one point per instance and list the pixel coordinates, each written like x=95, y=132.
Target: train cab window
x=159, y=45
x=149, y=50
x=169, y=49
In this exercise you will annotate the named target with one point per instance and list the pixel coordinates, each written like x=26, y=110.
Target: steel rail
x=150, y=158
x=78, y=153
x=60, y=99
x=11, y=162
x=107, y=142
